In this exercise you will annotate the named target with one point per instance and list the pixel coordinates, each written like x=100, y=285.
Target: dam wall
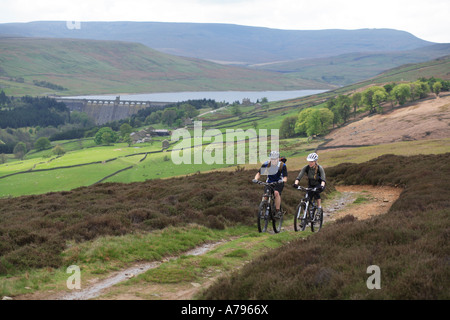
x=103, y=111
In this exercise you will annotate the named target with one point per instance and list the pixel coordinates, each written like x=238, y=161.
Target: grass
x=106, y=254
x=98, y=257
x=362, y=199
x=223, y=259
x=62, y=179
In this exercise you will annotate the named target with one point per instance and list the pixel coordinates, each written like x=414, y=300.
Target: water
x=219, y=96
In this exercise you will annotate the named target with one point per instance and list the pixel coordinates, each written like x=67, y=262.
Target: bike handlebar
x=305, y=189
x=267, y=183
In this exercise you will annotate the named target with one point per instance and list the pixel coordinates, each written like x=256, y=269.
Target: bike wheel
x=277, y=222
x=316, y=223
x=299, y=222
x=263, y=216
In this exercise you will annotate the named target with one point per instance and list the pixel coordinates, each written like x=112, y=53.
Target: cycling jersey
x=314, y=179
x=274, y=174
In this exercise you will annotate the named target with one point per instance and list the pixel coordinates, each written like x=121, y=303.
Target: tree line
x=31, y=112
x=338, y=110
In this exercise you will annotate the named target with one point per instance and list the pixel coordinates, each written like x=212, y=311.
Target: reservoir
x=219, y=96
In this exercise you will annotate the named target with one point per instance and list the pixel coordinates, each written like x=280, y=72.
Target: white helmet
x=312, y=157
x=274, y=155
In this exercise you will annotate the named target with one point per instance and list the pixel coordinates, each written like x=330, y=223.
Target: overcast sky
x=426, y=19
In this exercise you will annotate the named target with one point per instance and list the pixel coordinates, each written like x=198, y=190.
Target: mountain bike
x=306, y=212
x=267, y=209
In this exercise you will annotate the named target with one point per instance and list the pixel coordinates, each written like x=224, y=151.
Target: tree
x=314, y=121
x=401, y=92
x=127, y=140
x=42, y=144
x=125, y=129
x=326, y=120
x=154, y=117
x=301, y=124
x=58, y=150
x=105, y=136
x=20, y=150
x=373, y=105
x=287, y=128
x=356, y=102
x=419, y=90
x=81, y=118
x=343, y=104
x=108, y=137
x=189, y=110
x=388, y=87
x=422, y=89
x=3, y=98
x=313, y=124
x=235, y=110
x=169, y=116
x=437, y=86
x=378, y=97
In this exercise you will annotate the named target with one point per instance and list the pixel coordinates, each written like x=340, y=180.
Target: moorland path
x=377, y=200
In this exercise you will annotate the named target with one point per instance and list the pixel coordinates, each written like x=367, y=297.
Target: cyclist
x=276, y=171
x=316, y=177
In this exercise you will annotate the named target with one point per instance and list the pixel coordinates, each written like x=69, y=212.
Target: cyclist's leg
x=277, y=200
x=319, y=200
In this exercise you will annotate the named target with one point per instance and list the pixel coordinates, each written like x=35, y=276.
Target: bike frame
x=269, y=198
x=309, y=201
x=310, y=214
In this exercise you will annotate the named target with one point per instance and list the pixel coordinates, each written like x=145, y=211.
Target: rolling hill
x=329, y=57
x=91, y=66
x=349, y=68
x=225, y=42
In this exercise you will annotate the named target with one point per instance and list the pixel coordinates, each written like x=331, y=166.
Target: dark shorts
x=277, y=187
x=314, y=194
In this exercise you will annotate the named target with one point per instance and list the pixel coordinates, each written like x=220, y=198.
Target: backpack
x=318, y=171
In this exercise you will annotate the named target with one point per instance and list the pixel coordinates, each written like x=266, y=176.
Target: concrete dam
x=103, y=111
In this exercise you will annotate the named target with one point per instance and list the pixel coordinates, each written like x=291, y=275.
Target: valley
x=140, y=226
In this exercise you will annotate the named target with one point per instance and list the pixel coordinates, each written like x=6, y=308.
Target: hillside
x=89, y=67
x=353, y=67
x=425, y=119
x=227, y=43
x=439, y=68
